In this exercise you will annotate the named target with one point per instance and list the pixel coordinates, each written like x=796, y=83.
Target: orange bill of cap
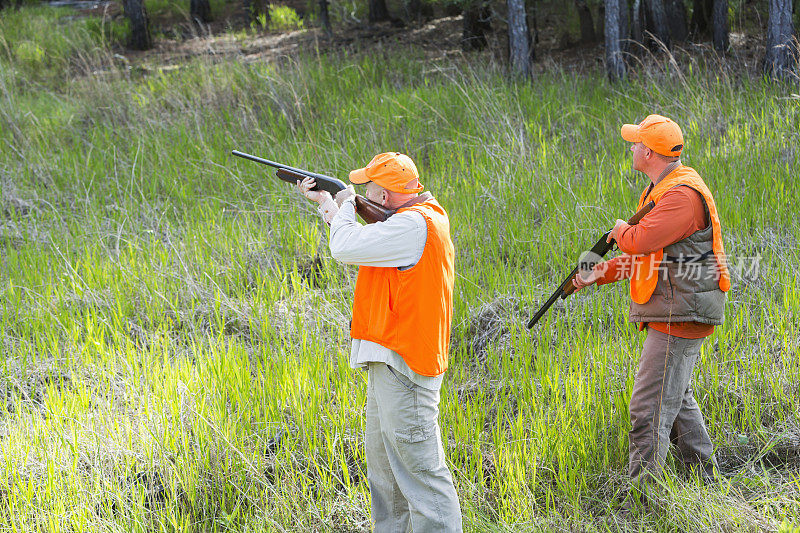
x=359, y=176
x=631, y=133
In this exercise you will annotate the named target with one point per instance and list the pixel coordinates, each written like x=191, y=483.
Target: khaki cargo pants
x=409, y=481
x=663, y=409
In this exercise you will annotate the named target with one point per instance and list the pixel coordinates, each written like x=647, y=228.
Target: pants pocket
x=401, y=379
x=420, y=447
x=692, y=348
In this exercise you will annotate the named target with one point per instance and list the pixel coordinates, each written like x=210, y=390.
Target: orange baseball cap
x=391, y=170
x=658, y=133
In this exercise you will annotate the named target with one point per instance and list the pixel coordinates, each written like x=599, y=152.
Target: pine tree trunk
x=324, y=17
x=378, y=12
x=624, y=27
x=719, y=24
x=601, y=20
x=533, y=26
x=637, y=22
x=519, y=39
x=676, y=19
x=658, y=19
x=780, y=44
x=701, y=16
x=140, y=25
x=477, y=23
x=586, y=22
x=615, y=12
x=414, y=9
x=200, y=10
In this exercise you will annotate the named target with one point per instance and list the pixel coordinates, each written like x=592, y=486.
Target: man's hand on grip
x=614, y=233
x=344, y=194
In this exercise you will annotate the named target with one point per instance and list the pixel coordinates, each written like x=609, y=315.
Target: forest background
x=174, y=331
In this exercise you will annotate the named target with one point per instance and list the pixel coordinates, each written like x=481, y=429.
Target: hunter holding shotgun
x=402, y=310
x=678, y=276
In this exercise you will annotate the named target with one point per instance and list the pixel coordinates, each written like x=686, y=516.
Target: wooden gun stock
x=371, y=212
x=599, y=250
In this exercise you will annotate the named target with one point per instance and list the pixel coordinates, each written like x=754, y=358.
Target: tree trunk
x=637, y=22
x=701, y=16
x=601, y=20
x=419, y=10
x=414, y=9
x=780, y=43
x=615, y=12
x=378, y=12
x=533, y=25
x=477, y=23
x=140, y=25
x=324, y=18
x=720, y=25
x=624, y=27
x=200, y=10
x=519, y=39
x=586, y=22
x=676, y=19
x=657, y=16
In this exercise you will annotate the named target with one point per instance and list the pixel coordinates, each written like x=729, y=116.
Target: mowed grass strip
x=175, y=344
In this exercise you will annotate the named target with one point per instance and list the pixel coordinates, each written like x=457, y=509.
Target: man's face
x=640, y=153
x=376, y=193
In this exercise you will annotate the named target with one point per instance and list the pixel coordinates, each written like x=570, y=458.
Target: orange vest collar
x=645, y=269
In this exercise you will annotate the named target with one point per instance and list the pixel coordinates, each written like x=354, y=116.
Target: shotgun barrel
x=368, y=210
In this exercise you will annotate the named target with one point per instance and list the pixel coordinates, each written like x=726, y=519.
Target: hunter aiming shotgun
x=368, y=210
x=600, y=249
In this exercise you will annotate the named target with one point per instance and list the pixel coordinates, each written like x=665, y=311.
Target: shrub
x=283, y=18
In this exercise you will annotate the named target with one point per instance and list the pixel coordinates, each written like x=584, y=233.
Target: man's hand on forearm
x=581, y=282
x=305, y=187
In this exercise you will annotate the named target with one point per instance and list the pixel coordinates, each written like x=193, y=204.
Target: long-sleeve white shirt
x=396, y=243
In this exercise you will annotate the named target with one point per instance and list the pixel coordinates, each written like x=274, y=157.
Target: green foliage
x=789, y=527
x=283, y=18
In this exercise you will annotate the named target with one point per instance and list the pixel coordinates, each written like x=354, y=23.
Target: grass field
x=174, y=331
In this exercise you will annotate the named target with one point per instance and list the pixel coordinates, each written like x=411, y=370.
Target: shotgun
x=600, y=249
x=369, y=211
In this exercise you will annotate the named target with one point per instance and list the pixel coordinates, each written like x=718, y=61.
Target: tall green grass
x=175, y=345
x=46, y=45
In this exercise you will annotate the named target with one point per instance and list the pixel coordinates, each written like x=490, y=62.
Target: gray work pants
x=409, y=481
x=663, y=408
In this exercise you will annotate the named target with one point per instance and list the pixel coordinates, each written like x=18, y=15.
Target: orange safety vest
x=409, y=311
x=645, y=268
